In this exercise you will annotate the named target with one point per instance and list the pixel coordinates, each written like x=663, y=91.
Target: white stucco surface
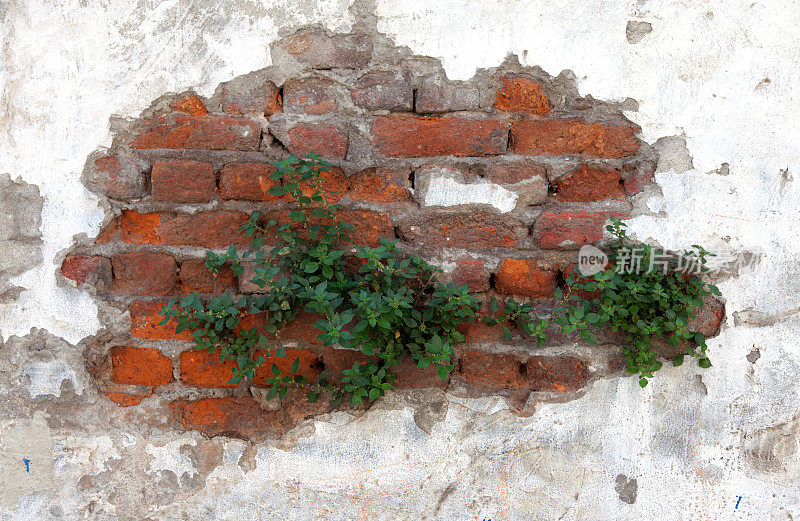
x=723, y=74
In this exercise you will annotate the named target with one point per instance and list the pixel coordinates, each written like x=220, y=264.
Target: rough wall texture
x=707, y=84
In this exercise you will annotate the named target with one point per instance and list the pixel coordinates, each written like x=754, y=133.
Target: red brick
x=380, y=185
x=639, y=178
x=471, y=273
x=323, y=138
x=411, y=376
x=436, y=94
x=479, y=333
x=145, y=322
x=492, y=371
x=310, y=96
x=124, y=399
x=94, y=268
x=120, y=177
x=250, y=95
x=556, y=373
x=310, y=365
x=239, y=417
x=570, y=230
x=475, y=231
x=369, y=226
x=571, y=270
x=210, y=229
x=315, y=48
x=707, y=319
x=337, y=360
x=588, y=183
x=109, y=233
x=512, y=173
x=210, y=133
x=333, y=183
x=203, y=369
x=190, y=104
x=144, y=273
x=196, y=278
x=183, y=181
x=301, y=329
x=248, y=182
x=403, y=136
x=524, y=277
x=384, y=91
x=520, y=94
x=573, y=136
x=140, y=366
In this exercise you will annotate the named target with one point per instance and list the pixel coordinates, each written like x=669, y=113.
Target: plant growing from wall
x=389, y=305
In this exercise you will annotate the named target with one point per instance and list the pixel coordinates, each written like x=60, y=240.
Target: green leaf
x=677, y=361
x=280, y=353
x=277, y=191
x=642, y=382
x=705, y=363
x=295, y=365
x=507, y=333
x=297, y=216
x=443, y=373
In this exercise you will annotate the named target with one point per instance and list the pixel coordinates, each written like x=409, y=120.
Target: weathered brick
x=380, y=185
x=190, y=104
x=324, y=139
x=479, y=333
x=475, y=231
x=300, y=330
x=368, y=229
x=124, y=399
x=436, y=94
x=210, y=229
x=573, y=136
x=411, y=376
x=203, y=369
x=520, y=94
x=333, y=184
x=404, y=136
x=145, y=322
x=119, y=177
x=310, y=96
x=144, y=273
x=512, y=173
x=639, y=177
x=196, y=278
x=708, y=318
x=315, y=48
x=556, y=373
x=238, y=417
x=570, y=230
x=525, y=277
x=566, y=272
x=491, y=371
x=209, y=133
x=589, y=183
x=337, y=360
x=471, y=273
x=310, y=365
x=94, y=269
x=110, y=232
x=183, y=181
x=384, y=91
x=140, y=366
x=251, y=94
x=248, y=182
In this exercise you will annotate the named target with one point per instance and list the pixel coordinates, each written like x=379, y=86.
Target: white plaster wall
x=722, y=73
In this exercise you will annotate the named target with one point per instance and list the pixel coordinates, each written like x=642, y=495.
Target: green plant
x=389, y=305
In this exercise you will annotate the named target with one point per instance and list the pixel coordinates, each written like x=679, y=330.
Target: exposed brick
x=475, y=231
x=250, y=94
x=310, y=96
x=471, y=273
x=183, y=181
x=248, y=182
x=190, y=104
x=573, y=136
x=95, y=269
x=570, y=230
x=299, y=330
x=369, y=226
x=571, y=270
x=124, y=399
x=239, y=417
x=589, y=183
x=436, y=94
x=492, y=371
x=333, y=183
x=384, y=90
x=639, y=178
x=140, y=366
x=520, y=94
x=556, y=373
x=111, y=232
x=144, y=273
x=478, y=332
x=380, y=185
x=203, y=369
x=404, y=136
x=512, y=173
x=708, y=318
x=196, y=278
x=337, y=360
x=209, y=133
x=524, y=277
x=119, y=177
x=145, y=322
x=315, y=48
x=411, y=376
x=210, y=229
x=323, y=138
x=310, y=365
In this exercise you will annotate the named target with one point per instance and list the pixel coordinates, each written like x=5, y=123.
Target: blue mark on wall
x=737, y=502
x=27, y=463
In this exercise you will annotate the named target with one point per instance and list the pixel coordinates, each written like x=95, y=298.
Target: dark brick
x=144, y=273
x=436, y=94
x=384, y=90
x=310, y=96
x=183, y=181
x=324, y=139
x=94, y=269
x=475, y=231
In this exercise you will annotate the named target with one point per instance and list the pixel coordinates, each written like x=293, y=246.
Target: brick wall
x=499, y=179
